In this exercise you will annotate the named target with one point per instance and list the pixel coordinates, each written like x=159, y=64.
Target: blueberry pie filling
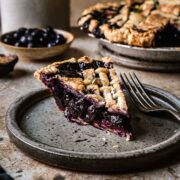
x=143, y=23
x=89, y=92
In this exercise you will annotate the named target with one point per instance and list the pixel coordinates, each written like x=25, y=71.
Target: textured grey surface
x=21, y=167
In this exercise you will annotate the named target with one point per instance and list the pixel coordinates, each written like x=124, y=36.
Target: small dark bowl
x=7, y=63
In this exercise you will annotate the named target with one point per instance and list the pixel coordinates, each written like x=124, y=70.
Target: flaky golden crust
x=103, y=82
x=100, y=6
x=52, y=68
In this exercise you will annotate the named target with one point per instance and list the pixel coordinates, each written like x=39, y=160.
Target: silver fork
x=142, y=99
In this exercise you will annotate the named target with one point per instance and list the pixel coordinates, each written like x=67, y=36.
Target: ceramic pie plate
x=154, y=59
x=138, y=63
x=150, y=54
x=38, y=128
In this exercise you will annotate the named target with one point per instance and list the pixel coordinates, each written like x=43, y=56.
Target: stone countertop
x=22, y=167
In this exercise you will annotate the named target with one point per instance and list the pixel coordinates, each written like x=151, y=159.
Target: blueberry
x=48, y=29
x=51, y=44
x=37, y=37
x=50, y=33
x=103, y=20
x=86, y=26
x=37, y=33
x=24, y=39
x=42, y=41
x=17, y=44
x=97, y=33
x=60, y=38
x=114, y=26
x=45, y=35
x=30, y=38
x=21, y=31
x=34, y=33
x=58, y=42
x=98, y=64
x=30, y=30
x=31, y=45
x=16, y=35
x=20, y=44
x=8, y=39
x=96, y=14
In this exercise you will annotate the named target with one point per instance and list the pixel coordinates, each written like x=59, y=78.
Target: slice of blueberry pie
x=89, y=92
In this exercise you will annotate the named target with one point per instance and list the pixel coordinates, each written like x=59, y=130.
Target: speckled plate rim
x=15, y=131
x=156, y=54
x=135, y=63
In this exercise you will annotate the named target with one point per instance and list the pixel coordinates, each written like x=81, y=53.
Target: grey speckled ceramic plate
x=153, y=54
x=37, y=127
x=154, y=59
x=142, y=64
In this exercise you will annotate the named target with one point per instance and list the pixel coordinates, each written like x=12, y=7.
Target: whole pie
x=143, y=23
x=89, y=92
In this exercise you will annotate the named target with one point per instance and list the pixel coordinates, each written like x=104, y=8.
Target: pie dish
x=89, y=92
x=7, y=63
x=142, y=23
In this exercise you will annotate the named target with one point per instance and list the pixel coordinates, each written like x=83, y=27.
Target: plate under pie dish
x=147, y=59
x=39, y=129
x=89, y=92
x=156, y=54
x=135, y=23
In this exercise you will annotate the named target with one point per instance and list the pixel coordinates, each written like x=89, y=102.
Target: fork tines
x=137, y=91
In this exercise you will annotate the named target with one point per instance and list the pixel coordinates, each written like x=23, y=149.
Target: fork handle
x=175, y=114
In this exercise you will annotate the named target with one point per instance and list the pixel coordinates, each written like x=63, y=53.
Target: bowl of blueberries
x=36, y=43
